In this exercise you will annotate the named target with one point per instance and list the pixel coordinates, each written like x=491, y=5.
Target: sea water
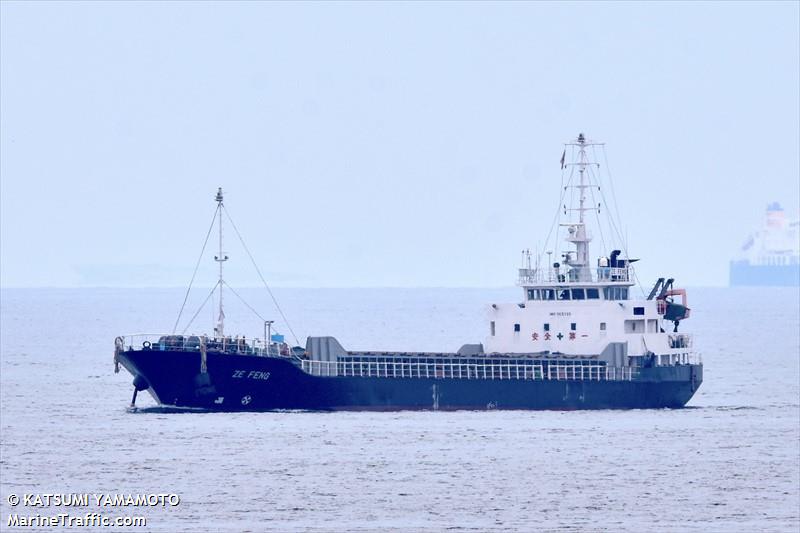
x=730, y=461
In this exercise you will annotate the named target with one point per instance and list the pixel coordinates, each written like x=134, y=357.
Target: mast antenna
x=577, y=233
x=221, y=258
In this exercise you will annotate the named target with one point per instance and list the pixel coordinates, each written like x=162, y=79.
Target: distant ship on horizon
x=771, y=255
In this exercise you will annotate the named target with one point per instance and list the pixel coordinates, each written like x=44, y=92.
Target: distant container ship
x=771, y=255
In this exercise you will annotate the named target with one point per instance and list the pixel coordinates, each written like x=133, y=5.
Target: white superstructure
x=777, y=243
x=576, y=307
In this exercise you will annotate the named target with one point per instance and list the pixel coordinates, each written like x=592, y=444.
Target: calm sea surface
x=728, y=462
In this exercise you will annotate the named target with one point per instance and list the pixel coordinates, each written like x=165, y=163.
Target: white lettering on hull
x=252, y=374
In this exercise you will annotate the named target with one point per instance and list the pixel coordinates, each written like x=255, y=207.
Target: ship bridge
x=610, y=280
x=573, y=270
x=579, y=304
x=601, y=276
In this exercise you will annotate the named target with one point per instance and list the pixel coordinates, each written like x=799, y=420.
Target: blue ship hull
x=255, y=383
x=742, y=273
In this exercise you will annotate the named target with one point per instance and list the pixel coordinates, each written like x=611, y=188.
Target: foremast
x=221, y=258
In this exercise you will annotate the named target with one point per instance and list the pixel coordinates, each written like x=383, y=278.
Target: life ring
x=146, y=345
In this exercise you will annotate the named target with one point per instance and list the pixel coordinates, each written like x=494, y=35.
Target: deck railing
x=536, y=276
x=550, y=370
x=191, y=343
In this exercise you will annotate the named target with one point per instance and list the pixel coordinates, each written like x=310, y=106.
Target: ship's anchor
x=139, y=383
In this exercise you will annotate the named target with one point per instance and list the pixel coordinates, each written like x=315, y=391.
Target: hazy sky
x=383, y=144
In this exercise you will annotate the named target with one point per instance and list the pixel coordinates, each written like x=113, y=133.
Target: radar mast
x=579, y=265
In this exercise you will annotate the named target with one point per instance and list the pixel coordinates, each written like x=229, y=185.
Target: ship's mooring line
x=201, y=307
x=258, y=270
x=189, y=288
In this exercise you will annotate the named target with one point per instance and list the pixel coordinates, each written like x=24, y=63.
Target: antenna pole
x=577, y=230
x=268, y=336
x=220, y=329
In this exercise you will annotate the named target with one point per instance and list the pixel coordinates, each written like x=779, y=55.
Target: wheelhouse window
x=533, y=294
x=563, y=294
x=615, y=293
x=578, y=294
x=548, y=294
x=592, y=294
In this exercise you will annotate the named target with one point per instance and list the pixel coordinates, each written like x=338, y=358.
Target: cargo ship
x=577, y=339
x=771, y=255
